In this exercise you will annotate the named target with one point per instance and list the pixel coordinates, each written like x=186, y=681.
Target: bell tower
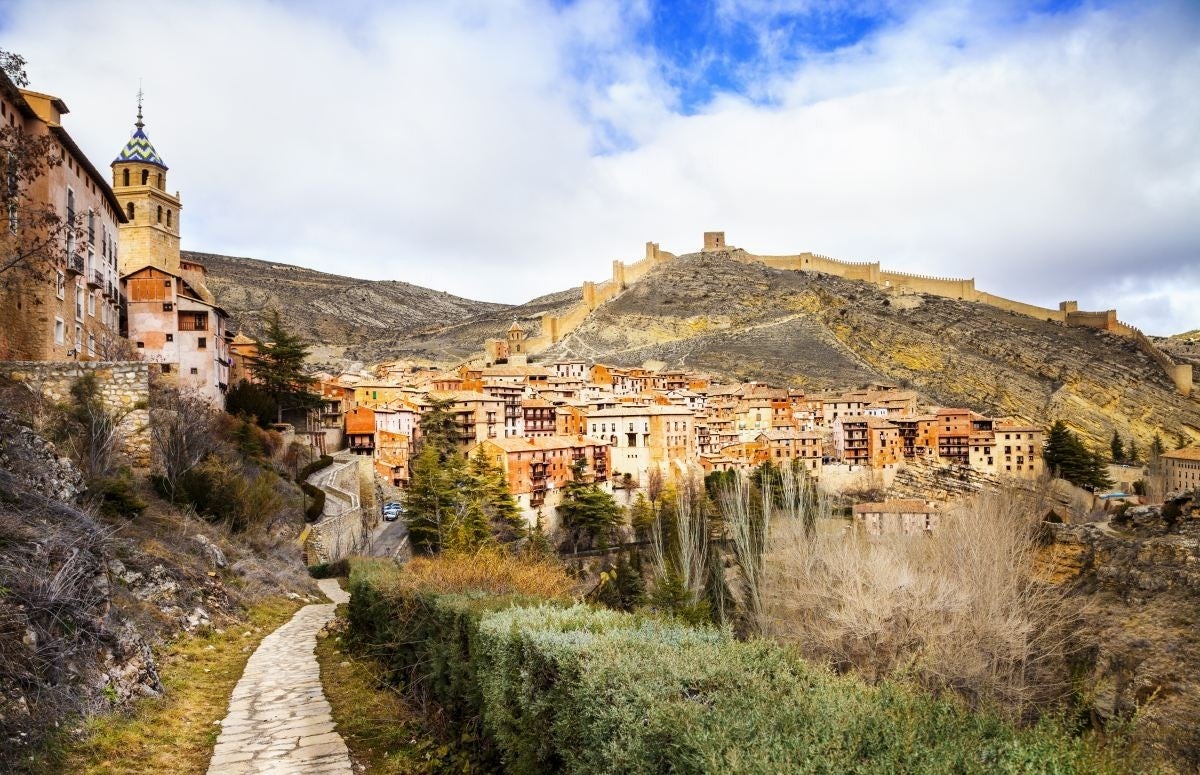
x=151, y=237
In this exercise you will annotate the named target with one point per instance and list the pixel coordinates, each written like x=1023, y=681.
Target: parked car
x=392, y=511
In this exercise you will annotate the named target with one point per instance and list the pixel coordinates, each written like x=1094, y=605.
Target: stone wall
x=343, y=530
x=124, y=387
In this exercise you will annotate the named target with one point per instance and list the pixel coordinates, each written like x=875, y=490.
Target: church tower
x=151, y=237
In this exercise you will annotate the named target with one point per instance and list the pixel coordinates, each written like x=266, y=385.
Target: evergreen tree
x=439, y=429
x=278, y=367
x=1117, y=448
x=1134, y=454
x=1070, y=459
x=491, y=500
x=246, y=399
x=433, y=502
x=641, y=516
x=1156, y=448
x=586, y=510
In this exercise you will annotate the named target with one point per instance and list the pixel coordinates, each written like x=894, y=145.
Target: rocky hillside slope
x=747, y=321
x=329, y=309
x=1137, y=582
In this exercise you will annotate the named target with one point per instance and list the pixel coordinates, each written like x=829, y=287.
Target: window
x=170, y=337
x=91, y=345
x=129, y=207
x=166, y=367
x=91, y=226
x=78, y=303
x=125, y=181
x=145, y=177
x=160, y=213
x=195, y=370
x=60, y=330
x=91, y=305
x=168, y=217
x=202, y=343
x=160, y=180
x=61, y=288
x=141, y=345
x=168, y=306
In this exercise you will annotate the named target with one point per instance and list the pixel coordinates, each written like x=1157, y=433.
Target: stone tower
x=151, y=237
x=517, y=354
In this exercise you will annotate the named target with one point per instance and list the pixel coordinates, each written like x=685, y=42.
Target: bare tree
x=181, y=432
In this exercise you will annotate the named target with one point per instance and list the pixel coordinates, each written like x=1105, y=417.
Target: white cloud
x=503, y=150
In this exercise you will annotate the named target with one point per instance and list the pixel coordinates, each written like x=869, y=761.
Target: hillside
x=332, y=310
x=747, y=321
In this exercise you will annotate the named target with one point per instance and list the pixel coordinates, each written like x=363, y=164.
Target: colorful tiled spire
x=139, y=147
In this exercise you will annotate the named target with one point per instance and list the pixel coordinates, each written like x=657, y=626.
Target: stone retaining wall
x=124, y=387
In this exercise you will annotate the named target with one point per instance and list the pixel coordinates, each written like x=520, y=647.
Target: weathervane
x=139, y=123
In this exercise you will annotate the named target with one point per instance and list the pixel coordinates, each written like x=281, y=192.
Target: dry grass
x=384, y=733
x=174, y=733
x=958, y=611
x=490, y=569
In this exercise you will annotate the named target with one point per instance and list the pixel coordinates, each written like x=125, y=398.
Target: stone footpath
x=279, y=721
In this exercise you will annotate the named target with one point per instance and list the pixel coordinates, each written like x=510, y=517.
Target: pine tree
x=278, y=367
x=586, y=510
x=1069, y=459
x=1134, y=454
x=1117, y=448
x=433, y=499
x=486, y=488
x=1157, y=448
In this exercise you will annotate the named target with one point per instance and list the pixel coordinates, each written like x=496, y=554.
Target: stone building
x=1182, y=469
x=65, y=303
x=896, y=517
x=172, y=317
x=643, y=438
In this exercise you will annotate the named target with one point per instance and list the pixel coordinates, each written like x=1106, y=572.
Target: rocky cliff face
x=742, y=320
x=1137, y=581
x=327, y=309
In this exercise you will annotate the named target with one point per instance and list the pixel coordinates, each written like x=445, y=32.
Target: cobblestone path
x=279, y=721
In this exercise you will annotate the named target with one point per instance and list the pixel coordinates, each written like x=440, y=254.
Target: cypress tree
x=1117, y=448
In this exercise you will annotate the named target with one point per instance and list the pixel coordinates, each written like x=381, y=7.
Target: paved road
x=390, y=539
x=279, y=720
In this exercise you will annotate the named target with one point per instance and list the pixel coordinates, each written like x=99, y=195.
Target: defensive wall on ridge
x=555, y=327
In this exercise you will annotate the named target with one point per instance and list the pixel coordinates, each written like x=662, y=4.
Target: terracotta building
x=538, y=469
x=66, y=304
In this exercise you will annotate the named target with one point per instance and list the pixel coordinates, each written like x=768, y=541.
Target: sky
x=503, y=149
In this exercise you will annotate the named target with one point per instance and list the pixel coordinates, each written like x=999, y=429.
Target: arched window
x=168, y=217
x=145, y=177
x=160, y=213
x=160, y=180
x=130, y=209
x=125, y=175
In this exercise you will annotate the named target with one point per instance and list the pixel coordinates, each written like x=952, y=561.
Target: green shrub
x=330, y=570
x=324, y=461
x=117, y=495
x=552, y=687
x=316, y=503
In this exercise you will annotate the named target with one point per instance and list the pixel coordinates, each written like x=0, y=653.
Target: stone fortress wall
x=124, y=388
x=555, y=327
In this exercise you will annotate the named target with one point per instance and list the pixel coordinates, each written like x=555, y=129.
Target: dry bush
x=960, y=610
x=490, y=569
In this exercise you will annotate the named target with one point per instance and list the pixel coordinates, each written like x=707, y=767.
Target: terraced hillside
x=747, y=321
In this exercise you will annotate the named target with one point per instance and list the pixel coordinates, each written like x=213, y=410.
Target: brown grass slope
x=328, y=309
x=746, y=321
